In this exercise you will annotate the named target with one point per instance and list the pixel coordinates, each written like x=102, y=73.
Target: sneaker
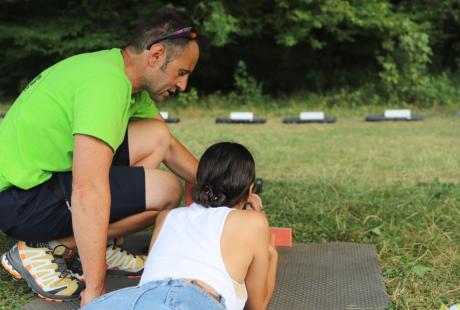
x=123, y=263
x=44, y=269
x=75, y=267
x=119, y=262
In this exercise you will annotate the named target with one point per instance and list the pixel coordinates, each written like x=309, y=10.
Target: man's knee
x=163, y=190
x=147, y=137
x=174, y=187
x=159, y=131
x=153, y=131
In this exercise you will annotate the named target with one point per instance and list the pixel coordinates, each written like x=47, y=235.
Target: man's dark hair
x=225, y=173
x=159, y=24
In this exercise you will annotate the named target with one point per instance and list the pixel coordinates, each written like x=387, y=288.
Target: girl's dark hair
x=225, y=173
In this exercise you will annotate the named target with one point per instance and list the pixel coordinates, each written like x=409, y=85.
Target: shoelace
x=62, y=268
x=75, y=264
x=75, y=267
x=114, y=246
x=39, y=244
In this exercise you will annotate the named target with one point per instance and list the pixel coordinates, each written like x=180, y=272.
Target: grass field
x=396, y=185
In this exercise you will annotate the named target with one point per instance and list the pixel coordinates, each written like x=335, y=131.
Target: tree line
x=397, y=50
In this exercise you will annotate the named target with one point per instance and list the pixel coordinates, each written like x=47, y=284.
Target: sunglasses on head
x=187, y=32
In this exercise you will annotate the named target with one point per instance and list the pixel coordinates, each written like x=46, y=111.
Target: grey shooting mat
x=329, y=276
x=332, y=276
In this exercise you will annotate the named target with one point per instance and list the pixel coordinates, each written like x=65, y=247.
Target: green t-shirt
x=85, y=94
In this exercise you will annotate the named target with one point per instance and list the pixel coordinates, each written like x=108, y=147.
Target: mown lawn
x=396, y=185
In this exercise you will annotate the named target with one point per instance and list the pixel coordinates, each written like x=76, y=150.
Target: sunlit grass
x=392, y=184
x=395, y=184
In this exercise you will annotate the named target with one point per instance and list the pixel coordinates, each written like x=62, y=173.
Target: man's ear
x=155, y=53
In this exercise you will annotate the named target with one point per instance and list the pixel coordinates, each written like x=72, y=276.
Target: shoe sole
x=110, y=272
x=10, y=269
x=123, y=274
x=19, y=272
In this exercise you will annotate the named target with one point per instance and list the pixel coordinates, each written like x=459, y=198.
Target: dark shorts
x=41, y=214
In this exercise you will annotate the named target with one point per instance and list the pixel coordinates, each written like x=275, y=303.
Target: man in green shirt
x=79, y=158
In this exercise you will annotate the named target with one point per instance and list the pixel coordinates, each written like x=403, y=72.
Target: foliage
x=398, y=47
x=218, y=24
x=405, y=63
x=187, y=98
x=247, y=89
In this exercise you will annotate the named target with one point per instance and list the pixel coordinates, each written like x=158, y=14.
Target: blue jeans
x=164, y=294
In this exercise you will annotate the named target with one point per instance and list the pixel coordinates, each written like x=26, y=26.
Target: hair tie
x=212, y=198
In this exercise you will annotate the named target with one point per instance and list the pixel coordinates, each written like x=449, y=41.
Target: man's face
x=161, y=80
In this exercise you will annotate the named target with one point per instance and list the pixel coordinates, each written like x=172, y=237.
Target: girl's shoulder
x=250, y=215
x=255, y=221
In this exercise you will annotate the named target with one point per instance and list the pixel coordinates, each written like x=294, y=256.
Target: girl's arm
x=261, y=276
x=271, y=276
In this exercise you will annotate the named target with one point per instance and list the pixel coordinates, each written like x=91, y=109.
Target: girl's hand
x=255, y=201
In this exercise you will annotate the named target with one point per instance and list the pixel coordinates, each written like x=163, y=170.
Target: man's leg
x=165, y=193
x=136, y=199
x=149, y=142
x=34, y=215
x=160, y=190
x=146, y=145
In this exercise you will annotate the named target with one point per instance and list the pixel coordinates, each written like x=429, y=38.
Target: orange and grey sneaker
x=44, y=269
x=123, y=263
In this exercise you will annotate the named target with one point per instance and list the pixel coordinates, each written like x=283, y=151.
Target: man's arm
x=179, y=159
x=91, y=210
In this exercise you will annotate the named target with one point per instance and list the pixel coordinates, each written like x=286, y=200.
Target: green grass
x=396, y=185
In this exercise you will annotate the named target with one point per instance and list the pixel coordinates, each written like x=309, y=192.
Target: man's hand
x=91, y=209
x=88, y=295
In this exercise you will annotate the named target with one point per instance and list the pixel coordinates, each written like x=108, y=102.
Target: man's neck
x=133, y=68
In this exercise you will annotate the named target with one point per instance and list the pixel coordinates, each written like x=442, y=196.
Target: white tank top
x=188, y=246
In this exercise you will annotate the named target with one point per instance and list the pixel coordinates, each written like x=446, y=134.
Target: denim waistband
x=180, y=282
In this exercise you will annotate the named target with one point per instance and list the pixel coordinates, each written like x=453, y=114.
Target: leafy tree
x=296, y=45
